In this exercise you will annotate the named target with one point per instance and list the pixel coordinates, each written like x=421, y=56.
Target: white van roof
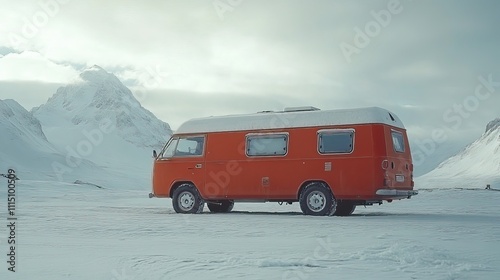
x=290, y=119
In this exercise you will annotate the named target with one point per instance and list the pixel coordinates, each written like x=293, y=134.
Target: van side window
x=190, y=146
x=334, y=141
x=184, y=146
x=398, y=141
x=267, y=144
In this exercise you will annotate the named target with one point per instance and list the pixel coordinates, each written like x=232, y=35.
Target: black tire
x=345, y=208
x=187, y=200
x=316, y=199
x=223, y=206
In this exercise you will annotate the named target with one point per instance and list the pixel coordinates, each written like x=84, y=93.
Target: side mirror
x=155, y=155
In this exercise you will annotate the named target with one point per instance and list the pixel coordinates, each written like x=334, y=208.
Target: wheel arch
x=307, y=182
x=177, y=184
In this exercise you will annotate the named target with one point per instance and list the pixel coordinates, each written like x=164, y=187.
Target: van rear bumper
x=396, y=193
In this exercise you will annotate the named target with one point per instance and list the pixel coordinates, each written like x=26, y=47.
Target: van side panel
x=226, y=172
x=231, y=174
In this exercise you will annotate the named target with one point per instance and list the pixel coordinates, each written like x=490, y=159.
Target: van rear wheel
x=316, y=199
x=187, y=200
x=223, y=206
x=345, y=208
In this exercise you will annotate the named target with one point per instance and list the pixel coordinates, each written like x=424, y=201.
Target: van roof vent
x=300, y=109
x=392, y=118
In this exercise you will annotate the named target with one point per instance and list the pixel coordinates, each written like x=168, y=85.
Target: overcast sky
x=184, y=59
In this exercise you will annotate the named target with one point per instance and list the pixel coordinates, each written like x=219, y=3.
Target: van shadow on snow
x=437, y=217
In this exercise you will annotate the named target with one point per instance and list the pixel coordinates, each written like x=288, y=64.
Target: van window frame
x=332, y=131
x=402, y=139
x=162, y=153
x=178, y=139
x=263, y=135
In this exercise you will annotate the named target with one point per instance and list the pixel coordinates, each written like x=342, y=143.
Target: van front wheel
x=187, y=200
x=223, y=206
x=316, y=199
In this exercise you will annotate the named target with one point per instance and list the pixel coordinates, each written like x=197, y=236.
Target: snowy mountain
x=16, y=122
x=25, y=148
x=99, y=98
x=474, y=167
x=96, y=118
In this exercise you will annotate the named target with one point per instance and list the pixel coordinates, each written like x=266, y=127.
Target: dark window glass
x=331, y=142
x=267, y=145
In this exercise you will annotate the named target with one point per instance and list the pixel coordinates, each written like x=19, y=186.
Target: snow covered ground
x=67, y=231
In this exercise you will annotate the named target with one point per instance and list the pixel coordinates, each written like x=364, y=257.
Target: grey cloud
x=28, y=94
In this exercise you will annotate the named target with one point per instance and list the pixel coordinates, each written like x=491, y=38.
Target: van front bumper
x=396, y=193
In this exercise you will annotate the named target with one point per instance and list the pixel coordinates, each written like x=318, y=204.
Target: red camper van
x=329, y=161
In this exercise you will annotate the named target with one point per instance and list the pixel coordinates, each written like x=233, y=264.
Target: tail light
x=385, y=164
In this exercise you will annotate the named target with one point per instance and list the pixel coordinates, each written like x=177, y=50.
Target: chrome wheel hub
x=186, y=201
x=316, y=201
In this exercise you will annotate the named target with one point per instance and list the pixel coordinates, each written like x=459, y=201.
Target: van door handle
x=197, y=166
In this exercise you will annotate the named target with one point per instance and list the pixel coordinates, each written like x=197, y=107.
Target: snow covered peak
x=494, y=124
x=97, y=74
x=96, y=89
x=100, y=96
x=95, y=68
x=14, y=116
x=19, y=124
